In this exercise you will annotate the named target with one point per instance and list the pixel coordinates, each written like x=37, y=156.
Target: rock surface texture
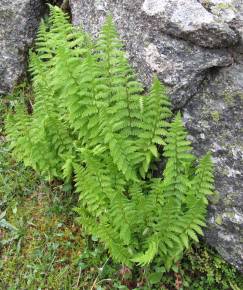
x=18, y=24
x=196, y=48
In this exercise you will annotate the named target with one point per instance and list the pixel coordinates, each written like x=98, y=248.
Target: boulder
x=188, y=19
x=196, y=51
x=224, y=9
x=215, y=121
x=19, y=20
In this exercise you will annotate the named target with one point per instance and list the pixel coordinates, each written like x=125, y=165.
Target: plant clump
x=92, y=124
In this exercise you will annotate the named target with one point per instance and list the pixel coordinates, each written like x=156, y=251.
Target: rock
x=215, y=121
x=205, y=81
x=19, y=20
x=229, y=11
x=224, y=9
x=181, y=65
x=188, y=19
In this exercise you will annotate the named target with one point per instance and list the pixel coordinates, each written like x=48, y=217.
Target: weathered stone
x=211, y=95
x=229, y=11
x=224, y=9
x=18, y=24
x=181, y=65
x=215, y=121
x=188, y=19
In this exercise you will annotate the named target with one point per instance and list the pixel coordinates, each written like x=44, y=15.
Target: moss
x=228, y=200
x=208, y=4
x=230, y=97
x=224, y=6
x=215, y=272
x=215, y=116
x=240, y=95
x=214, y=199
x=230, y=214
x=218, y=220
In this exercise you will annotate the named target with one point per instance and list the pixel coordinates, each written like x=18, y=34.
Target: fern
x=120, y=114
x=156, y=112
x=177, y=151
x=17, y=128
x=91, y=121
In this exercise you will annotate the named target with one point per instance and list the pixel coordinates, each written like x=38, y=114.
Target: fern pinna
x=92, y=120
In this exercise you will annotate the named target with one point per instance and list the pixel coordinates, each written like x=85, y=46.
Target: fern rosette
x=91, y=120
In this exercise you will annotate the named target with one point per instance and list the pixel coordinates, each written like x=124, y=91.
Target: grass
x=42, y=246
x=39, y=241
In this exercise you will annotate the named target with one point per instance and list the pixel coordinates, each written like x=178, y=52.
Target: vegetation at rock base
x=91, y=124
x=42, y=246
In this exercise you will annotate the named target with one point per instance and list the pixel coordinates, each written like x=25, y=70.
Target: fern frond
x=154, y=123
x=17, y=129
x=177, y=150
x=121, y=114
x=122, y=90
x=145, y=258
x=202, y=184
x=93, y=184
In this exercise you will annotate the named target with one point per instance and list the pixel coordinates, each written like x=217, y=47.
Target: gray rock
x=181, y=65
x=215, y=121
x=188, y=19
x=226, y=10
x=207, y=83
x=229, y=11
x=18, y=24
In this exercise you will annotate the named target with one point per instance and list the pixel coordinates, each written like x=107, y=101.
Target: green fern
x=92, y=122
x=17, y=128
x=156, y=110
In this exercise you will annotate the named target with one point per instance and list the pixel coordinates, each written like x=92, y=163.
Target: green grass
x=42, y=247
x=40, y=243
